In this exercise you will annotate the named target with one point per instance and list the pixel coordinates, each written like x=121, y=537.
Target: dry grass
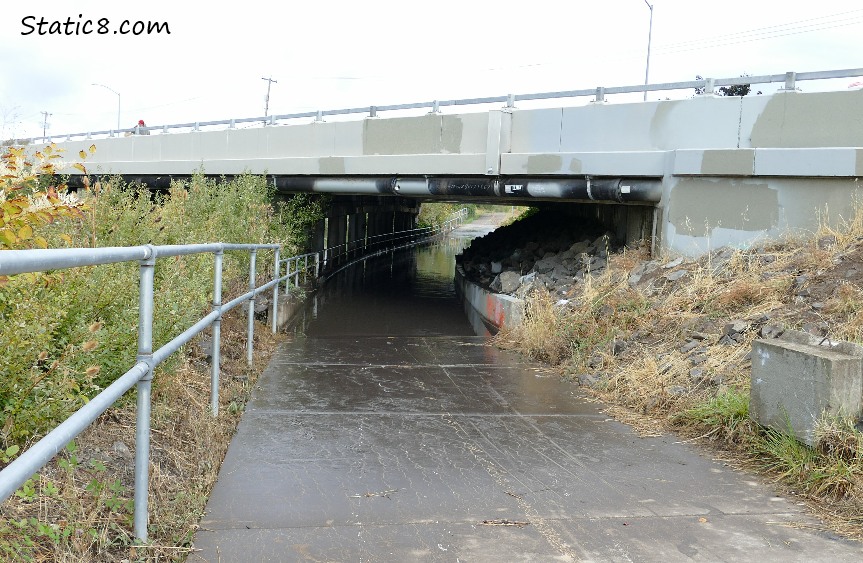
x=676, y=371
x=93, y=493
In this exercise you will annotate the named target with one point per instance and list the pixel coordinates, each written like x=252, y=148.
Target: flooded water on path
x=408, y=293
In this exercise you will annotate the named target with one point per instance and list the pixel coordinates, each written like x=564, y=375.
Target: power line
x=779, y=28
x=720, y=41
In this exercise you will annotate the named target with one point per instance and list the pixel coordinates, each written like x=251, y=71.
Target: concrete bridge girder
x=723, y=169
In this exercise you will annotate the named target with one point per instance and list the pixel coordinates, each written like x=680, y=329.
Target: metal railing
x=789, y=79
x=141, y=374
x=336, y=258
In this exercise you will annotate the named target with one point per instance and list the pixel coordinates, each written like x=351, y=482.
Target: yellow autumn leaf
x=80, y=167
x=39, y=155
x=92, y=149
x=49, y=149
x=82, y=154
x=66, y=238
x=7, y=236
x=41, y=242
x=25, y=232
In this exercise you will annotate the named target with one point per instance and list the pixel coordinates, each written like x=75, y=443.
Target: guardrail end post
x=142, y=424
x=790, y=82
x=510, y=101
x=233, y=124
x=319, y=118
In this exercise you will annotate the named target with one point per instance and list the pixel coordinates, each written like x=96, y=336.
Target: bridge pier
x=356, y=224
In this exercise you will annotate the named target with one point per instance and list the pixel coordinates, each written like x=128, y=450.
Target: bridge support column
x=358, y=232
x=337, y=226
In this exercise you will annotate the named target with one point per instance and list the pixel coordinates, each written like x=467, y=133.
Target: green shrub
x=68, y=335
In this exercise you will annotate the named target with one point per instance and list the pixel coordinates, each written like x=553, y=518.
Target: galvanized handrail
x=789, y=79
x=141, y=374
x=21, y=261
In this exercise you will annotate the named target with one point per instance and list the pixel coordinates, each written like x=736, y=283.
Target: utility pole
x=270, y=82
x=45, y=116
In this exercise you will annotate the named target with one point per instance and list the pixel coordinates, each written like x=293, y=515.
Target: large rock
x=509, y=282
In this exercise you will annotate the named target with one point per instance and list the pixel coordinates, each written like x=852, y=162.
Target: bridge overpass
x=691, y=174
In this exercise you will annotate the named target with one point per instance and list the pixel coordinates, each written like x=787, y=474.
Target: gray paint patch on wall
x=404, y=135
x=858, y=167
x=699, y=205
x=452, y=130
x=331, y=165
x=544, y=164
x=575, y=165
x=823, y=119
x=736, y=162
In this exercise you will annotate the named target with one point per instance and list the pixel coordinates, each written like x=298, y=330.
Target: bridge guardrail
x=789, y=79
x=141, y=374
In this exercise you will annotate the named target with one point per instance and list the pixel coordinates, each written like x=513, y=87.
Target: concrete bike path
x=441, y=448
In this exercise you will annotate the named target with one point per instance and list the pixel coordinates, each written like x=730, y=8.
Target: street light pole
x=649, y=37
x=270, y=82
x=118, y=103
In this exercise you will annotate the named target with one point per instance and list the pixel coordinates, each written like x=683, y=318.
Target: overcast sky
x=329, y=54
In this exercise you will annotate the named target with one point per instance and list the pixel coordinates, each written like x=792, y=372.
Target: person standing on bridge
x=141, y=128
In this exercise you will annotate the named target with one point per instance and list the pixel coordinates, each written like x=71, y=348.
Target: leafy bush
x=67, y=335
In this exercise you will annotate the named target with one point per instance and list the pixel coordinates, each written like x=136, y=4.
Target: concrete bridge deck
x=691, y=175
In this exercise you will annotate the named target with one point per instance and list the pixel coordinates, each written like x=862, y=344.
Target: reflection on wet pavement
x=387, y=431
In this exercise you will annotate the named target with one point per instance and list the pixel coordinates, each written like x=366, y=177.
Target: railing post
x=790, y=81
x=250, y=337
x=306, y=268
x=317, y=265
x=288, y=275
x=600, y=95
x=142, y=425
x=215, y=356
x=278, y=270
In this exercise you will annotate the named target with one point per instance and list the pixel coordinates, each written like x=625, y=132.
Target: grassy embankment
x=66, y=335
x=631, y=345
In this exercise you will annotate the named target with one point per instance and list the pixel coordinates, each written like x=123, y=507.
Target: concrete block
x=798, y=379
